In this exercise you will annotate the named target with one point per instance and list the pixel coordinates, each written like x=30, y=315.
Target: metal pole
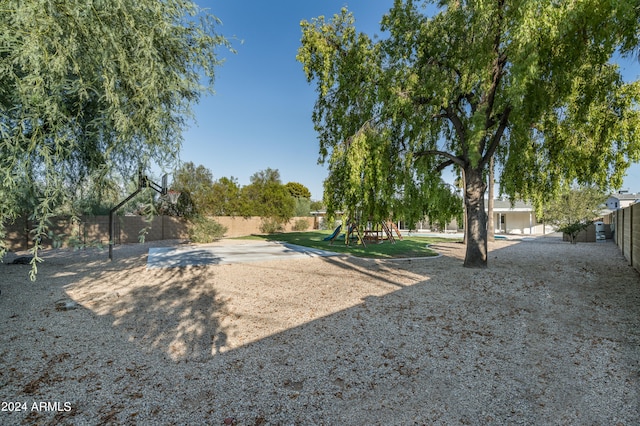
x=111, y=212
x=143, y=182
x=110, y=234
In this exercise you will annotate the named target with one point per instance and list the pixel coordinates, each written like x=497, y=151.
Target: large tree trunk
x=476, y=226
x=491, y=227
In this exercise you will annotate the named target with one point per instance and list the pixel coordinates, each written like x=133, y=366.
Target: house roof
x=625, y=196
x=505, y=206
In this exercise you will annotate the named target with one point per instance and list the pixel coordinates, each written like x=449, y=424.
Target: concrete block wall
x=240, y=226
x=160, y=228
x=95, y=229
x=127, y=229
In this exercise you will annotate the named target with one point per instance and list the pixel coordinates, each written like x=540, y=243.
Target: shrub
x=573, y=229
x=301, y=225
x=205, y=230
x=270, y=226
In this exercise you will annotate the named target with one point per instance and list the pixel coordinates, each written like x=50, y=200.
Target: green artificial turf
x=407, y=247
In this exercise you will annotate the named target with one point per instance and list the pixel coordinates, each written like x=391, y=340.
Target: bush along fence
x=626, y=234
x=94, y=230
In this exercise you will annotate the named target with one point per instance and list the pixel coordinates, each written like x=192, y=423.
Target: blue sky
x=260, y=115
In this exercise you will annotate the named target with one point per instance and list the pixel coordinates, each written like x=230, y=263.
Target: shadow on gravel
x=548, y=334
x=173, y=310
x=543, y=337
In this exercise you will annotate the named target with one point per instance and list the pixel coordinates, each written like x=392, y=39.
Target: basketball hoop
x=173, y=196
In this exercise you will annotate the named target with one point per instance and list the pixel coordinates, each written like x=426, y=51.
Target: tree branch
x=497, y=136
x=459, y=126
x=452, y=159
x=370, y=123
x=497, y=70
x=444, y=165
x=442, y=65
x=469, y=98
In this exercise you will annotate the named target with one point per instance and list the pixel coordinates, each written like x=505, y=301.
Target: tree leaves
x=267, y=197
x=101, y=84
x=574, y=209
x=298, y=190
x=527, y=81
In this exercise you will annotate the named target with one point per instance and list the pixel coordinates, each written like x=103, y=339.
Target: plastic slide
x=335, y=233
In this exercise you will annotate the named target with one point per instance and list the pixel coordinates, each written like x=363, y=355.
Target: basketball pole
x=143, y=182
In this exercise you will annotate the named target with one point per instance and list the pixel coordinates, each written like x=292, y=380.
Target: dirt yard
x=548, y=334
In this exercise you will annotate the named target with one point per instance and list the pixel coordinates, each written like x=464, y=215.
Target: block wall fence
x=95, y=230
x=626, y=225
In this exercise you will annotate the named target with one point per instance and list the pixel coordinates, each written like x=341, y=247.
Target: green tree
x=302, y=207
x=267, y=197
x=266, y=176
x=316, y=205
x=574, y=209
x=302, y=197
x=298, y=190
x=196, y=183
x=226, y=197
x=95, y=194
x=529, y=83
x=88, y=85
x=183, y=207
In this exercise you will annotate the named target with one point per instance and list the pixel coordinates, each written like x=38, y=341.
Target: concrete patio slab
x=171, y=257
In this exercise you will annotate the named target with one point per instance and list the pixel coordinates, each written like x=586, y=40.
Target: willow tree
x=574, y=209
x=90, y=86
x=529, y=83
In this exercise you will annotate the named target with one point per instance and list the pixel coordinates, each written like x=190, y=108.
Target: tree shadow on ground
x=174, y=310
x=535, y=339
x=510, y=344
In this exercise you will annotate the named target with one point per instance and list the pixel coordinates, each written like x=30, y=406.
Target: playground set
x=375, y=233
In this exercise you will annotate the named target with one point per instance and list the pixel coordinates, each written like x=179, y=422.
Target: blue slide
x=335, y=233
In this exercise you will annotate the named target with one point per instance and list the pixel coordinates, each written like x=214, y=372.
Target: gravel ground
x=548, y=334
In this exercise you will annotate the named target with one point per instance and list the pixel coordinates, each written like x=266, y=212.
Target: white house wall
x=518, y=223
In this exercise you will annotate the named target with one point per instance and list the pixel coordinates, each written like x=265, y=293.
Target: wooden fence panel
x=618, y=233
x=627, y=233
x=635, y=235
